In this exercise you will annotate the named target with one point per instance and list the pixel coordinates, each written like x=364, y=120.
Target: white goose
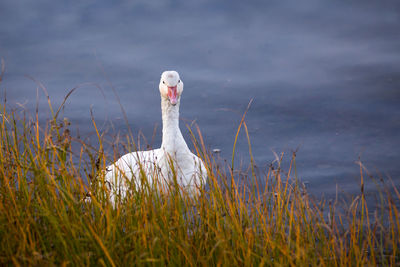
x=158, y=164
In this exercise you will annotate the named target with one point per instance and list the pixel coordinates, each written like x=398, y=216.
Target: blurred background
x=324, y=76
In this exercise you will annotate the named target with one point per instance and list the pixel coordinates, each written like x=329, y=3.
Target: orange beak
x=172, y=95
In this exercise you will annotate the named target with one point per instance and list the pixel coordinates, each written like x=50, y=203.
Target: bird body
x=163, y=166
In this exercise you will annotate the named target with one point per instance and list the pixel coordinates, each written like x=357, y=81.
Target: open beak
x=172, y=95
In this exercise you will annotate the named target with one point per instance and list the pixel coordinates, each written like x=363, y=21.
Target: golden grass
x=268, y=221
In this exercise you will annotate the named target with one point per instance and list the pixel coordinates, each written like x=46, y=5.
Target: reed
x=253, y=218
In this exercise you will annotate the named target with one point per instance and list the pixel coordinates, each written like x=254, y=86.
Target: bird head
x=171, y=86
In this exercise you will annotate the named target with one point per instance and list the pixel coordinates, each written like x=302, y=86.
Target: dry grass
x=270, y=220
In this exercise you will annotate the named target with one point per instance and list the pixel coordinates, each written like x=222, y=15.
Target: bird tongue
x=172, y=95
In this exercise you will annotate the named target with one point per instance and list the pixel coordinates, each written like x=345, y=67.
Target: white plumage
x=156, y=164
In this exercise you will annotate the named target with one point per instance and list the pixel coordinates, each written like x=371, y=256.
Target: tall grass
x=243, y=219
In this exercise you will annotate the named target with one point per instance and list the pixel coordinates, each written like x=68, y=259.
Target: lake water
x=324, y=76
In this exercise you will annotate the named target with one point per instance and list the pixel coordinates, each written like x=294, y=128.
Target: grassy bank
x=241, y=221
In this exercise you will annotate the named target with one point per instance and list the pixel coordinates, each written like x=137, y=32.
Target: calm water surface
x=324, y=76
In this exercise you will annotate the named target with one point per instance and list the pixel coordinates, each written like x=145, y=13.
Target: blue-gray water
x=325, y=76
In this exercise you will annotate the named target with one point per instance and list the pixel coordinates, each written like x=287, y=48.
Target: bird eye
x=163, y=82
x=179, y=81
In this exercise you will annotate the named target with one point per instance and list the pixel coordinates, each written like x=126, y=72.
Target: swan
x=160, y=166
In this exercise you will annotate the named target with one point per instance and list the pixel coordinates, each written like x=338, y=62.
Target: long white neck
x=172, y=139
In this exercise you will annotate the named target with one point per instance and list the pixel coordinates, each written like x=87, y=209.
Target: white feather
x=157, y=164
